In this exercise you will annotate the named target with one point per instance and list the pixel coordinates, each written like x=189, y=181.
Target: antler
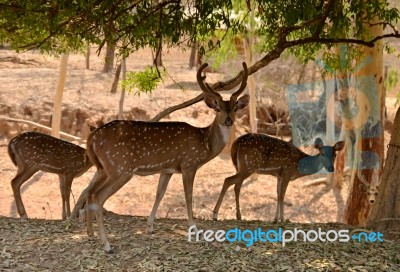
x=235, y=95
x=362, y=178
x=203, y=85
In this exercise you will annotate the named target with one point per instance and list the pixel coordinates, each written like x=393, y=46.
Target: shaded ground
x=47, y=245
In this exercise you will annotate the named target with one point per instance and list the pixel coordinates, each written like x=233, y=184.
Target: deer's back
x=264, y=154
x=146, y=145
x=43, y=152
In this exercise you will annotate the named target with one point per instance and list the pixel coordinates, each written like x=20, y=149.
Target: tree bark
x=385, y=214
x=368, y=131
x=109, y=59
x=114, y=86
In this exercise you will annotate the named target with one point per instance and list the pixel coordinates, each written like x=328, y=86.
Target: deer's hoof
x=150, y=230
x=215, y=216
x=108, y=249
x=90, y=234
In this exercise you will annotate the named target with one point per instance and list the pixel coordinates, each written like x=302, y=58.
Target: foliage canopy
x=302, y=26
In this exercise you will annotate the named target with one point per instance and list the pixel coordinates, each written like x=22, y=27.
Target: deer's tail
x=11, y=152
x=234, y=151
x=90, y=152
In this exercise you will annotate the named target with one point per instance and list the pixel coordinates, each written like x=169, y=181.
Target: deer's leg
x=282, y=186
x=188, y=180
x=279, y=193
x=67, y=188
x=237, y=194
x=229, y=181
x=63, y=195
x=285, y=183
x=110, y=186
x=162, y=187
x=80, y=204
x=16, y=183
x=97, y=181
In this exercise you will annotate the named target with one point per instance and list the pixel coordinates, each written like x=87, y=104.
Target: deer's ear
x=211, y=102
x=318, y=144
x=91, y=128
x=242, y=102
x=339, y=146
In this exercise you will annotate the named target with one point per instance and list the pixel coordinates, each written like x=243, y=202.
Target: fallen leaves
x=40, y=245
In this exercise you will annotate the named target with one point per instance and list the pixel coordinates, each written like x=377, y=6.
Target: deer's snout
x=228, y=122
x=330, y=168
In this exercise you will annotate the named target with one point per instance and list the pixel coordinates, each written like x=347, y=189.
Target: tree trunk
x=385, y=214
x=56, y=118
x=342, y=84
x=109, y=59
x=247, y=42
x=157, y=60
x=87, y=56
x=114, y=86
x=368, y=149
x=194, y=55
x=122, y=98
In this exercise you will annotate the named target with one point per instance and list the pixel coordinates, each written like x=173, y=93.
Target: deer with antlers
x=371, y=189
x=259, y=153
x=121, y=149
x=34, y=151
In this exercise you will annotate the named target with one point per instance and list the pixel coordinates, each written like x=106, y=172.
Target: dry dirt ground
x=30, y=79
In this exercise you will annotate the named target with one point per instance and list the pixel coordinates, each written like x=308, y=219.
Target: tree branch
x=169, y=110
x=324, y=16
x=268, y=58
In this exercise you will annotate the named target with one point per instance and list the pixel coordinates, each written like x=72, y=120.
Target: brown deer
x=259, y=153
x=371, y=189
x=121, y=149
x=34, y=151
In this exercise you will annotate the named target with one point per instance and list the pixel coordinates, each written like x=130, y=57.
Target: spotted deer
x=121, y=149
x=371, y=189
x=259, y=153
x=34, y=151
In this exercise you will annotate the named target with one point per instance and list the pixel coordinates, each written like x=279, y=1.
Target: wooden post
x=56, y=120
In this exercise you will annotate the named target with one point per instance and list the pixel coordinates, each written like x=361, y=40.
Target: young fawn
x=33, y=151
x=259, y=153
x=121, y=149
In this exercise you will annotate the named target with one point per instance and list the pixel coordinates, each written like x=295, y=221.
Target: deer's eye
x=217, y=109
